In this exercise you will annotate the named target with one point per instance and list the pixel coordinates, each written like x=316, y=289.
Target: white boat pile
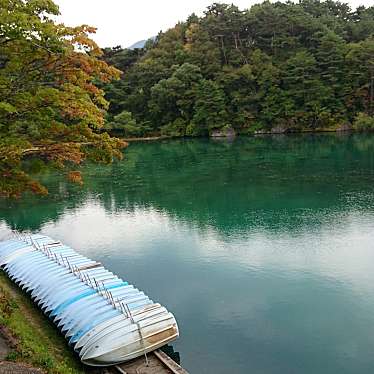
x=105, y=319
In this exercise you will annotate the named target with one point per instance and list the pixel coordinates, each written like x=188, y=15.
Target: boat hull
x=106, y=320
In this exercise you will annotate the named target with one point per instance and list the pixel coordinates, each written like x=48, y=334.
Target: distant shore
x=258, y=133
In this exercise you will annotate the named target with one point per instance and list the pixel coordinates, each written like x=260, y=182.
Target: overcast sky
x=124, y=22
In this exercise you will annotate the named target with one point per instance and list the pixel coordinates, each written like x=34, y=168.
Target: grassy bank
x=35, y=339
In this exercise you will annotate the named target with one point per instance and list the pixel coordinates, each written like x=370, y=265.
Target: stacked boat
x=105, y=319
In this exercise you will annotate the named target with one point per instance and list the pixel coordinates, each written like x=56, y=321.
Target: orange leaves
x=61, y=153
x=79, y=98
x=13, y=183
x=37, y=188
x=53, y=105
x=78, y=38
x=75, y=177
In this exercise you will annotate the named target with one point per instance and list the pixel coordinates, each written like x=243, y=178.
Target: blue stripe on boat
x=72, y=300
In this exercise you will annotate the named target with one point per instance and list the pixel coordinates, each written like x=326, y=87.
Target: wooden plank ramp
x=158, y=363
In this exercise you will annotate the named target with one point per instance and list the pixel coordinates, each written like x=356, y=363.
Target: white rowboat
x=106, y=320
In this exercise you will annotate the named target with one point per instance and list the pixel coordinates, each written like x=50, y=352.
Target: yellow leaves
x=192, y=30
x=6, y=107
x=104, y=149
x=10, y=153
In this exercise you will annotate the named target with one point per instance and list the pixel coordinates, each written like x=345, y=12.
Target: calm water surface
x=262, y=247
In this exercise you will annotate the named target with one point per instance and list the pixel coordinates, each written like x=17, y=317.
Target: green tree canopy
x=305, y=65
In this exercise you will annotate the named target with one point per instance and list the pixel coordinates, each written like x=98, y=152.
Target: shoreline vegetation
x=33, y=340
x=272, y=68
x=304, y=131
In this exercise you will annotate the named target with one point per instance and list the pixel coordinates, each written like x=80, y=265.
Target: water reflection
x=263, y=248
x=272, y=182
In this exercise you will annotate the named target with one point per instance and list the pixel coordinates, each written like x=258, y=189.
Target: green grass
x=39, y=343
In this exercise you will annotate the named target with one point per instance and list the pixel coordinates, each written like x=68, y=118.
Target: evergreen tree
x=305, y=65
x=209, y=109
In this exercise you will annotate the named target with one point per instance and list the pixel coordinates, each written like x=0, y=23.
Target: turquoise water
x=263, y=248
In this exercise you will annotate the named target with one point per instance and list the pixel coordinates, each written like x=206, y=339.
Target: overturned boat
x=106, y=320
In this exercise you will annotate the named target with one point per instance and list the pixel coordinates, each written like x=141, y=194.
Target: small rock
x=344, y=127
x=279, y=130
x=226, y=132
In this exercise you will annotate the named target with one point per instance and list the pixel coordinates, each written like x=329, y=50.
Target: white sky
x=124, y=22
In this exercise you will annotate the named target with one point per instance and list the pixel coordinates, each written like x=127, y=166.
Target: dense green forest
x=274, y=67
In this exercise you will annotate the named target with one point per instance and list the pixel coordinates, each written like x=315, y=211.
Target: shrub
x=125, y=124
x=364, y=122
x=175, y=128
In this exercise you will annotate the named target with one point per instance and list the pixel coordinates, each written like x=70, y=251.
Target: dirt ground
x=7, y=367
x=4, y=349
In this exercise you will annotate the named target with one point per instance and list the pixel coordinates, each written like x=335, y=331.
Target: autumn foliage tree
x=50, y=105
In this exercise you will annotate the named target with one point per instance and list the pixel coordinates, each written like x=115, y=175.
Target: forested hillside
x=273, y=67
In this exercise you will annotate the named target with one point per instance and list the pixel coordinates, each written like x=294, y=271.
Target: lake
x=263, y=248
